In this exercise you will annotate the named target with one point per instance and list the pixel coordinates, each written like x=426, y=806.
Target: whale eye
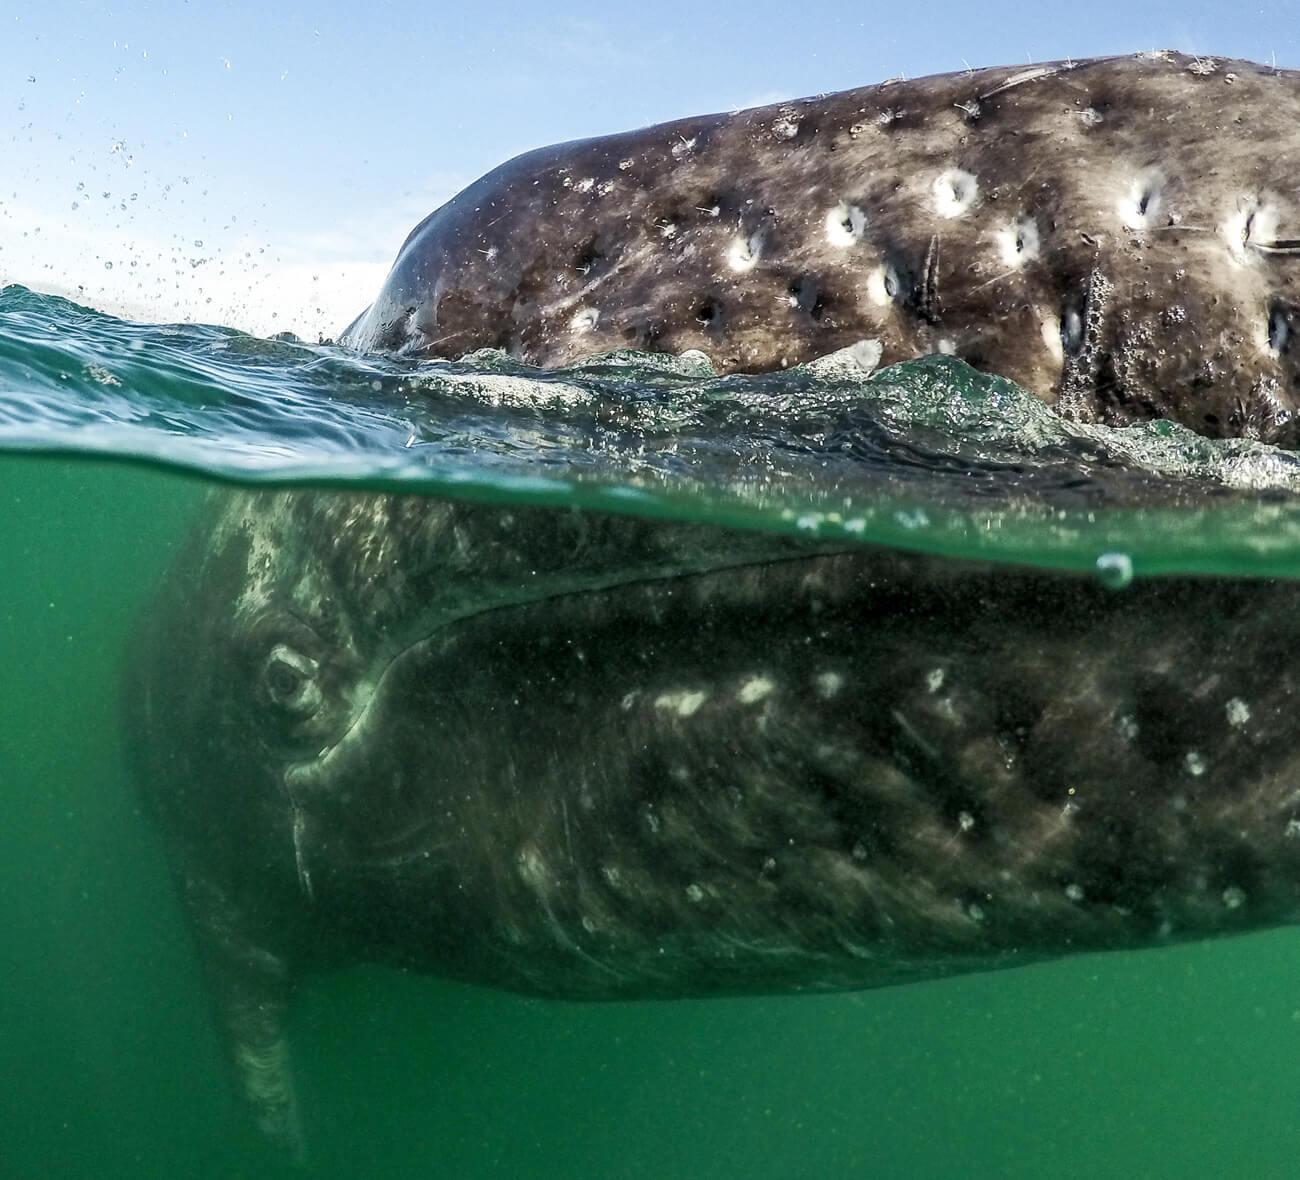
x=290, y=681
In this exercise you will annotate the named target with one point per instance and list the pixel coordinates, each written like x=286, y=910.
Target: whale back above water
x=1120, y=236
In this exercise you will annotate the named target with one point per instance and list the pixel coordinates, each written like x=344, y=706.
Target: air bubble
x=1115, y=570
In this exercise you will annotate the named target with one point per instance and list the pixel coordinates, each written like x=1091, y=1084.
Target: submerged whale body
x=1121, y=236
x=597, y=757
x=602, y=757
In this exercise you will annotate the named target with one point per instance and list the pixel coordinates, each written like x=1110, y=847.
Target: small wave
x=928, y=455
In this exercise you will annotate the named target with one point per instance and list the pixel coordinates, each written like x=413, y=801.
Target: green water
x=1175, y=1062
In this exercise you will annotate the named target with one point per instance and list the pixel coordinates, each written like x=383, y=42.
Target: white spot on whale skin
x=965, y=821
x=584, y=320
x=1074, y=892
x=883, y=286
x=845, y=224
x=1195, y=763
x=1019, y=243
x=683, y=702
x=1090, y=116
x=532, y=868
x=955, y=192
x=744, y=253
x=695, y=893
x=1238, y=712
x=586, y=184
x=828, y=684
x=1234, y=897
x=683, y=147
x=1049, y=325
x=934, y=679
x=1143, y=204
x=754, y=690
x=1250, y=229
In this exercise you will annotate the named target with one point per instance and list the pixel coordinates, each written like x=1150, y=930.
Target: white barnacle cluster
x=1238, y=712
x=786, y=124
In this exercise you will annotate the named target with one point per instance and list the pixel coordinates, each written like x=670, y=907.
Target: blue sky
x=263, y=162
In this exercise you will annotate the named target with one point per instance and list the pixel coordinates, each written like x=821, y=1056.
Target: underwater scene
x=622, y=770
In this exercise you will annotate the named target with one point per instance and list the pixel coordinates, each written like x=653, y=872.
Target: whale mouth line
x=305, y=775
x=311, y=786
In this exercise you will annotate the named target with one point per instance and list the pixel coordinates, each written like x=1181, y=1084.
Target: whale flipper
x=250, y=988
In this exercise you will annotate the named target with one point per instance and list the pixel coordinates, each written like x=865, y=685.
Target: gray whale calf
x=597, y=757
x=1121, y=236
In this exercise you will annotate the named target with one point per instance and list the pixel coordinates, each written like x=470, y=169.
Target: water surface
x=1176, y=1062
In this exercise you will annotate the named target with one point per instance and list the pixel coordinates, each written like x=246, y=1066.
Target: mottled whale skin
x=597, y=757
x=1120, y=236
